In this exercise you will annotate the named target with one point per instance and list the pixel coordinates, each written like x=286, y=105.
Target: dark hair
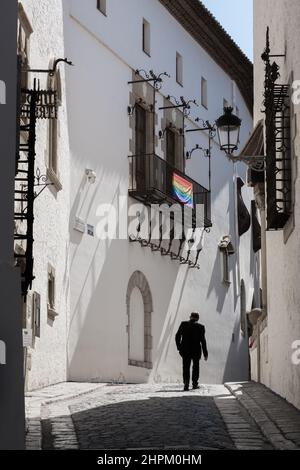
x=195, y=316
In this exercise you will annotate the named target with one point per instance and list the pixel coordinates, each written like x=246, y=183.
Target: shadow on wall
x=222, y=289
x=238, y=354
x=171, y=324
x=103, y=244
x=216, y=284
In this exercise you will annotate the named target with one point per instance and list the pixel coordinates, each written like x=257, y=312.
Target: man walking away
x=190, y=342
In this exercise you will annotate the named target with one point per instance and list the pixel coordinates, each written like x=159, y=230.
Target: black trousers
x=187, y=359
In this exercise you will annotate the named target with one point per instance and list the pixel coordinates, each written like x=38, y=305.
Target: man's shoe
x=195, y=386
x=186, y=388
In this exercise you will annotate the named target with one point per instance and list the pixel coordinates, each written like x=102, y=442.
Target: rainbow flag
x=183, y=190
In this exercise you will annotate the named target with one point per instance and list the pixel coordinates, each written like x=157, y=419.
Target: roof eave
x=208, y=32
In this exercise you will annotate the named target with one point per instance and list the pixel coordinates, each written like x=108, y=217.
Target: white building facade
x=45, y=312
x=127, y=298
x=275, y=352
x=106, y=308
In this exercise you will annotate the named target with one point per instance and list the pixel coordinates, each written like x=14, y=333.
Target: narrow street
x=160, y=416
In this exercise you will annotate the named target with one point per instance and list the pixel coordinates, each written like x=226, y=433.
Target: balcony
x=154, y=181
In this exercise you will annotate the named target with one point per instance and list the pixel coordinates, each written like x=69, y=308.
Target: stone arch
x=139, y=280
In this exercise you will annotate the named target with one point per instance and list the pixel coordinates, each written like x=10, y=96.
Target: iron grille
x=151, y=182
x=34, y=104
x=278, y=147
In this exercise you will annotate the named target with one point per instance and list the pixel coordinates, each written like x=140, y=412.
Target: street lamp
x=228, y=129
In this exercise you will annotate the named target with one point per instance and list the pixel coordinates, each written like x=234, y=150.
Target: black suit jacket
x=190, y=339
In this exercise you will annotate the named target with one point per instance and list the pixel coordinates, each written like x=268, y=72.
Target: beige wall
x=283, y=247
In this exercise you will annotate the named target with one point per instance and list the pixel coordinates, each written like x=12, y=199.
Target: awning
x=255, y=144
x=255, y=148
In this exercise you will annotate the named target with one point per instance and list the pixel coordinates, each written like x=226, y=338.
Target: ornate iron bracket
x=266, y=54
x=211, y=129
x=182, y=103
x=162, y=133
x=149, y=77
x=156, y=247
x=206, y=126
x=206, y=152
x=41, y=181
x=51, y=72
x=149, y=108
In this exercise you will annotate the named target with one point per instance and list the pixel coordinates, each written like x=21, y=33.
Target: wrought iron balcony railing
x=154, y=181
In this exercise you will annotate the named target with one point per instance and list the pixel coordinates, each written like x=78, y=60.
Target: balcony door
x=171, y=147
x=170, y=159
x=140, y=146
x=174, y=149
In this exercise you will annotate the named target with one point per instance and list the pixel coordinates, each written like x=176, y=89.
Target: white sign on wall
x=27, y=338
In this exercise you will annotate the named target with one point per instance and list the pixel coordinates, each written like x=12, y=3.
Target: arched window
x=139, y=311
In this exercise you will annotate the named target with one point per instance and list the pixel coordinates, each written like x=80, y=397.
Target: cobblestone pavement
x=37, y=402
x=154, y=417
x=278, y=420
x=101, y=416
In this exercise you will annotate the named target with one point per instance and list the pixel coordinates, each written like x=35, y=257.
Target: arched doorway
x=139, y=311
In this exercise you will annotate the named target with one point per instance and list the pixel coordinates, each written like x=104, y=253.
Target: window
x=101, y=6
x=174, y=147
x=146, y=37
x=36, y=319
x=170, y=146
x=140, y=145
x=23, y=50
x=179, y=69
x=51, y=289
x=51, y=293
x=139, y=312
x=204, y=98
x=54, y=84
x=53, y=131
x=140, y=130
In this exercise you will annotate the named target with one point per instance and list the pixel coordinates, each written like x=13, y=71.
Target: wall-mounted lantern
x=228, y=128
